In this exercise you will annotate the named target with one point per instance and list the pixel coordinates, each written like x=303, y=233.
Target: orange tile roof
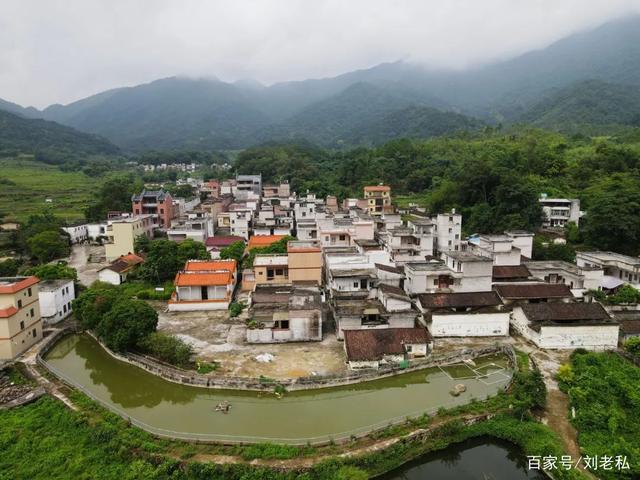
x=8, y=312
x=132, y=259
x=214, y=265
x=20, y=284
x=263, y=240
x=377, y=188
x=202, y=279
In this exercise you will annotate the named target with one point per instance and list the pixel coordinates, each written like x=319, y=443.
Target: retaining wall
x=186, y=377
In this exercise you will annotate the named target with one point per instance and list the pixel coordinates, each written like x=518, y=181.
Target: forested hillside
x=51, y=142
x=587, y=105
x=494, y=178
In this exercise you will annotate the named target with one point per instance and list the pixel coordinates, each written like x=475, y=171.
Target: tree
x=161, y=263
x=48, y=245
x=92, y=304
x=126, y=324
x=167, y=348
x=115, y=194
x=190, y=249
x=544, y=249
x=9, y=267
x=633, y=346
x=53, y=271
x=141, y=244
x=235, y=251
x=613, y=214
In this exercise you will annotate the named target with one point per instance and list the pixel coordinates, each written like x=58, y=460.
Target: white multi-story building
x=507, y=249
x=448, y=231
x=56, y=297
x=559, y=211
x=618, y=268
x=77, y=234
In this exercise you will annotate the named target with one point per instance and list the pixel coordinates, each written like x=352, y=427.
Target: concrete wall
x=109, y=276
x=590, y=337
x=55, y=305
x=469, y=324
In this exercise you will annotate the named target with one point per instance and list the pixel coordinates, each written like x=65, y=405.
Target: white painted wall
x=109, y=276
x=55, y=305
x=469, y=324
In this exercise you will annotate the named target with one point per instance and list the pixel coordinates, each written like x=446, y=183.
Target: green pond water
x=188, y=412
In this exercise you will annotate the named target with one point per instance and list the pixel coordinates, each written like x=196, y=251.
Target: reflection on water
x=299, y=415
x=478, y=459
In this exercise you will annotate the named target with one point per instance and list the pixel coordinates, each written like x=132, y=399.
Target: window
x=19, y=303
x=162, y=210
x=408, y=348
x=342, y=237
x=21, y=325
x=363, y=284
x=451, y=230
x=29, y=291
x=435, y=282
x=279, y=272
x=32, y=313
x=64, y=309
x=35, y=332
x=355, y=284
x=281, y=324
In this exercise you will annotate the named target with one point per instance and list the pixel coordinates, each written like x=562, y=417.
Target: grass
x=30, y=183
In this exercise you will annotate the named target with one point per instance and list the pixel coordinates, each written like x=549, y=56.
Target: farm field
x=25, y=184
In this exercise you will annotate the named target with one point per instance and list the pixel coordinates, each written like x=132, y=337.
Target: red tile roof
x=368, y=345
x=510, y=271
x=459, y=300
x=8, y=312
x=202, y=279
x=264, y=240
x=223, y=240
x=15, y=284
x=377, y=188
x=533, y=290
x=210, y=265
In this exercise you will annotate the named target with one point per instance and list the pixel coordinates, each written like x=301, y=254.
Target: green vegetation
x=278, y=247
x=33, y=182
x=206, y=367
x=604, y=390
x=235, y=251
x=494, y=179
x=236, y=309
x=9, y=267
x=113, y=195
x=626, y=294
x=124, y=323
x=53, y=271
x=633, y=346
x=168, y=349
x=163, y=258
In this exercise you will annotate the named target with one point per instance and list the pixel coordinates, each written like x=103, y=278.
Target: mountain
x=25, y=135
x=388, y=100
x=412, y=122
x=18, y=110
x=589, y=102
x=169, y=113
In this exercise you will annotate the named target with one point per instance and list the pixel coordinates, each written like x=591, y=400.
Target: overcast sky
x=58, y=51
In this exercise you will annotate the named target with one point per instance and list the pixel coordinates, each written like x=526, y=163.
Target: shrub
x=236, y=308
x=167, y=348
x=128, y=321
x=633, y=346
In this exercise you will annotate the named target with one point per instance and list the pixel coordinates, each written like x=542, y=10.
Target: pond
x=188, y=412
x=483, y=458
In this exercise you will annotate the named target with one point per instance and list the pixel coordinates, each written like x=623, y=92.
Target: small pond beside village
x=188, y=412
x=477, y=459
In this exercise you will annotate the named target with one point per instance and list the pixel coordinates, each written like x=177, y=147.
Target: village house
x=506, y=249
x=448, y=230
x=618, y=269
x=204, y=285
x=158, y=204
x=342, y=230
x=280, y=190
x=566, y=325
x=55, y=298
x=248, y=183
x=410, y=243
x=285, y=313
x=122, y=233
x=510, y=274
x=533, y=293
x=196, y=226
x=559, y=211
x=390, y=274
x=269, y=269
x=579, y=279
x=349, y=273
x=363, y=313
x=306, y=229
x=378, y=199
x=374, y=348
x=77, y=234
x=20, y=322
x=471, y=273
x=472, y=314
x=629, y=321
x=305, y=261
x=116, y=272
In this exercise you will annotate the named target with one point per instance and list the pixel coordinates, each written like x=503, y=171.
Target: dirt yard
x=79, y=259
x=216, y=337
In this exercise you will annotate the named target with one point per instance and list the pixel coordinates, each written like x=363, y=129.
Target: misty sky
x=57, y=51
